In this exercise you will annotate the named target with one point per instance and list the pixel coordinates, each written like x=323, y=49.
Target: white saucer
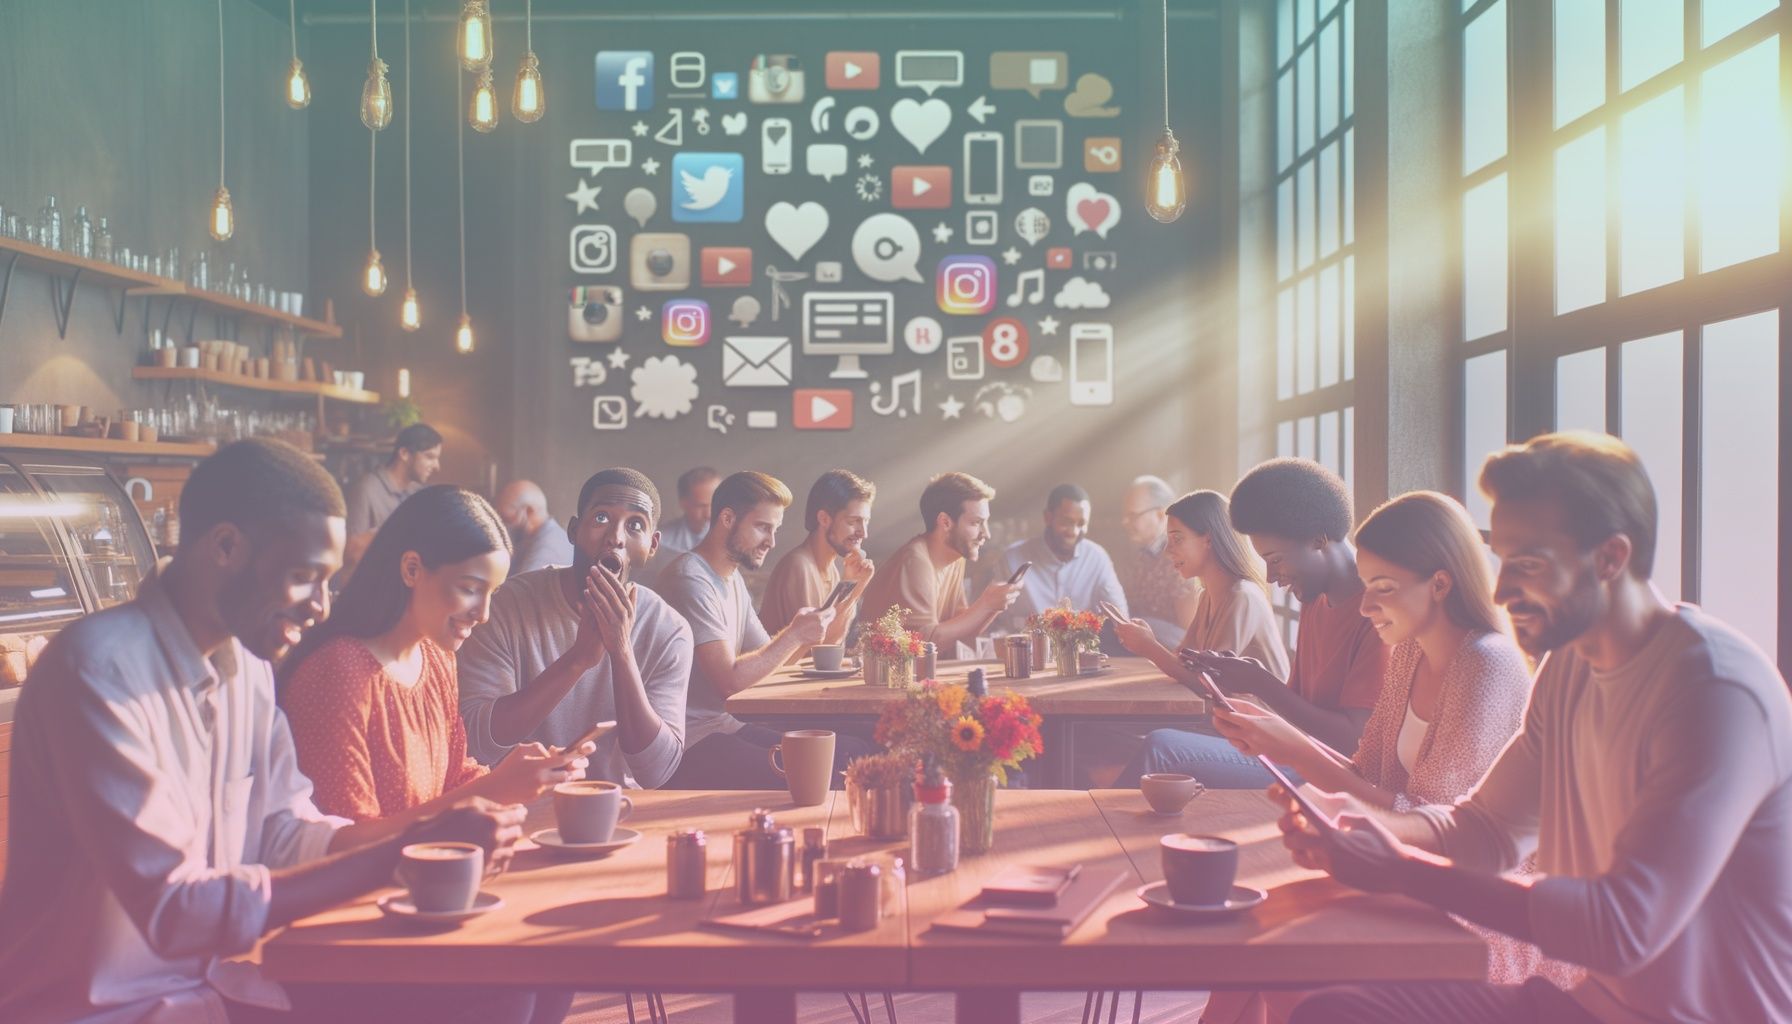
x=399, y=905
x=1242, y=898
x=549, y=838
x=822, y=673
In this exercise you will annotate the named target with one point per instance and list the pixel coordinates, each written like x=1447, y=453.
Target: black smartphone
x=1320, y=821
x=1019, y=573
x=839, y=593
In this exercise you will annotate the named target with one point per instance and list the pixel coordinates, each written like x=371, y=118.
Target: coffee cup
x=1168, y=792
x=587, y=810
x=828, y=657
x=442, y=877
x=807, y=757
x=1199, y=870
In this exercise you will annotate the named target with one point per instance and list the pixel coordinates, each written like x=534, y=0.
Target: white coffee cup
x=828, y=657
x=808, y=764
x=587, y=810
x=442, y=877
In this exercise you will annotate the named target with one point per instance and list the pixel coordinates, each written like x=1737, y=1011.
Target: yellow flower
x=967, y=734
x=951, y=700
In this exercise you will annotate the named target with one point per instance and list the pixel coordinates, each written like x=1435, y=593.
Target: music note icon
x=1036, y=277
x=884, y=405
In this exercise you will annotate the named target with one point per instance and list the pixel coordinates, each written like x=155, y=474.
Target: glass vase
x=1064, y=653
x=975, y=798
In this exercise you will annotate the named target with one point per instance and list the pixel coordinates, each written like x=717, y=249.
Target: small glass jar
x=933, y=830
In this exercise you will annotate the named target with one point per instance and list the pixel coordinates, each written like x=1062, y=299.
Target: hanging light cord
x=529, y=26
x=407, y=144
x=373, y=22
x=460, y=163
x=1166, y=64
x=373, y=145
x=292, y=18
x=221, y=93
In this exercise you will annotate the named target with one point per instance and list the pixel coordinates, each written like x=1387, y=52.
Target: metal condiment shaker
x=687, y=864
x=861, y=896
x=1017, y=656
x=927, y=665
x=764, y=860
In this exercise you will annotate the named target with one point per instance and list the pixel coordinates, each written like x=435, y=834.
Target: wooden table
x=605, y=924
x=1132, y=693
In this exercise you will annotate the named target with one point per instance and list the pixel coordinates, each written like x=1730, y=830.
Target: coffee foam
x=1198, y=844
x=428, y=852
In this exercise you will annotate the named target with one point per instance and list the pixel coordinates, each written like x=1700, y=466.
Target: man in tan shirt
x=838, y=517
x=926, y=575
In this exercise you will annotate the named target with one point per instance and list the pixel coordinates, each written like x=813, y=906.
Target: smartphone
x=1321, y=821
x=982, y=168
x=774, y=145
x=1112, y=612
x=1019, y=573
x=1092, y=364
x=839, y=593
x=597, y=731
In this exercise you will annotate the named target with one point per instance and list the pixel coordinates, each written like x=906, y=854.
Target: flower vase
x=1064, y=653
x=975, y=798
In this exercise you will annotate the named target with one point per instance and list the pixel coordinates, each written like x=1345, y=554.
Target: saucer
x=549, y=839
x=1242, y=898
x=399, y=905
x=822, y=673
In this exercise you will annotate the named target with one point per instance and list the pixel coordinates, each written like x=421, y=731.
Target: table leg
x=988, y=1006
x=768, y=1006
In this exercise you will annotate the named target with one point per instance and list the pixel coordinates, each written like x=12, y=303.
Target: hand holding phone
x=1020, y=573
x=595, y=733
x=840, y=592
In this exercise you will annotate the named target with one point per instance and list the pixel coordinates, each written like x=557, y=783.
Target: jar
x=933, y=830
x=861, y=896
x=687, y=864
x=764, y=860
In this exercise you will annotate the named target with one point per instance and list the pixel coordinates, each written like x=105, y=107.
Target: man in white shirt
x=158, y=821
x=1066, y=564
x=539, y=539
x=567, y=648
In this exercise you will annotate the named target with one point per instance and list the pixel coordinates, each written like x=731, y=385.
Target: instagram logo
x=685, y=323
x=966, y=285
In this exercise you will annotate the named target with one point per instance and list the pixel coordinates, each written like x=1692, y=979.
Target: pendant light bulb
x=1166, y=191
x=528, y=102
x=298, y=87
x=376, y=97
x=482, y=110
x=475, y=37
x=463, y=336
x=223, y=219
x=373, y=279
x=409, y=316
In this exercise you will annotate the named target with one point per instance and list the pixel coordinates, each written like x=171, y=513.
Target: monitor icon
x=848, y=325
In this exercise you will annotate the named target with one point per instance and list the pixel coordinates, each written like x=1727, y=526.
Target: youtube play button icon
x=921, y=188
x=821, y=409
x=727, y=267
x=853, y=69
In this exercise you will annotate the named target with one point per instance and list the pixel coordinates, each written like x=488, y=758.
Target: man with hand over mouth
x=568, y=648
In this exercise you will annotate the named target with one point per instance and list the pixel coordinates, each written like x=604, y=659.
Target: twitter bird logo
x=711, y=188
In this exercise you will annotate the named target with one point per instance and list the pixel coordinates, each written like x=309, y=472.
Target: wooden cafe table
x=1132, y=692
x=606, y=924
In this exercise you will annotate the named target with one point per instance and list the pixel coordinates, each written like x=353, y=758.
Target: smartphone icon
x=1092, y=364
x=774, y=145
x=982, y=168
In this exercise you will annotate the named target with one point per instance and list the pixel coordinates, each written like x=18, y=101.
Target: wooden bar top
x=1128, y=687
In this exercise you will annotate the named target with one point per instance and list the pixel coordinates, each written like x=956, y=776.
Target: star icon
x=618, y=359
x=639, y=128
x=643, y=313
x=585, y=196
x=1011, y=256
x=1049, y=325
x=942, y=233
x=951, y=407
x=650, y=166
x=865, y=161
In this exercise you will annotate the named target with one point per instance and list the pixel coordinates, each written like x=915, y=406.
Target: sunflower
x=967, y=734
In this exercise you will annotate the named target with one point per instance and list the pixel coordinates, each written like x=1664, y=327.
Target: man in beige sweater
x=1652, y=778
x=837, y=515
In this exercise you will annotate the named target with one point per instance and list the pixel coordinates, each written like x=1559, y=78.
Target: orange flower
x=951, y=700
x=967, y=734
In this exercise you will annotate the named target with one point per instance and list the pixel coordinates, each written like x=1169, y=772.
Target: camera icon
x=775, y=78
x=966, y=285
x=684, y=323
x=593, y=248
x=659, y=262
x=595, y=314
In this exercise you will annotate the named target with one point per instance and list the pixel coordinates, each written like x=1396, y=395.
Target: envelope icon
x=749, y=362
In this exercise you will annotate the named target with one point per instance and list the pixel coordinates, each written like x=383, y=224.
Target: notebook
x=1086, y=892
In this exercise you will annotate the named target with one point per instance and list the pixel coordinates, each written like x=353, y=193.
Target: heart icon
x=796, y=229
x=921, y=123
x=1090, y=209
x=735, y=123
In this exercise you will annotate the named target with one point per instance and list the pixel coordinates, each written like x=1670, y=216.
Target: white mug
x=587, y=810
x=442, y=877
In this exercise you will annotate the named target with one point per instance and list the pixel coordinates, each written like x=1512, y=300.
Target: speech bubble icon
x=640, y=204
x=826, y=159
x=886, y=247
x=1030, y=70
x=745, y=311
x=593, y=155
x=1032, y=224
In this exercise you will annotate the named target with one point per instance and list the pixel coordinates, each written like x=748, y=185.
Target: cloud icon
x=663, y=387
x=1047, y=369
x=1081, y=293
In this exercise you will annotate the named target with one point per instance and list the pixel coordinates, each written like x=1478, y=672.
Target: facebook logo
x=624, y=80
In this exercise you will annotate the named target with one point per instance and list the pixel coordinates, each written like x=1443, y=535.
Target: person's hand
x=1234, y=674
x=1360, y=851
x=998, y=597
x=1254, y=729
x=530, y=770
x=612, y=609
x=856, y=567
x=1134, y=635
x=493, y=827
x=810, y=624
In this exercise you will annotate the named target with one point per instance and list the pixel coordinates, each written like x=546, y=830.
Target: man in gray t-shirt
x=732, y=649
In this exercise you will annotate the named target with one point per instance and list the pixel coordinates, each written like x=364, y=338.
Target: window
x=1653, y=168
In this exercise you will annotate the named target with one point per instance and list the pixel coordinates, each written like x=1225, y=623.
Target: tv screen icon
x=849, y=325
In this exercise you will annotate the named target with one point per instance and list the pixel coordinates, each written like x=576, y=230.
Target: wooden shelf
x=97, y=446
x=246, y=383
x=65, y=264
